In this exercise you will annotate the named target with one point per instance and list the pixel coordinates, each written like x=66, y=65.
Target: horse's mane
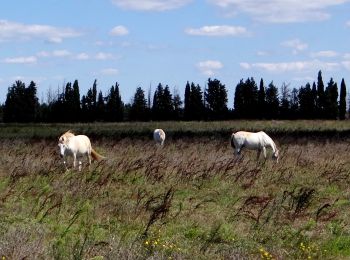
x=67, y=134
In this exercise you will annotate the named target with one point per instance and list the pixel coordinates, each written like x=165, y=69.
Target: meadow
x=190, y=199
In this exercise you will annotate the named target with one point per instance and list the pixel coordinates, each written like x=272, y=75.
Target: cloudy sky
x=146, y=42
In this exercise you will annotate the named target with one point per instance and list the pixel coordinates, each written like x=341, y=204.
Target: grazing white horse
x=255, y=141
x=76, y=145
x=159, y=136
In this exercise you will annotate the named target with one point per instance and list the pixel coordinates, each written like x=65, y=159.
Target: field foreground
x=190, y=199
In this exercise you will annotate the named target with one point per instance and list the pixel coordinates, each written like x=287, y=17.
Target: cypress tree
x=342, y=100
x=197, y=105
x=331, y=96
x=320, y=96
x=187, y=102
x=261, y=106
x=238, y=100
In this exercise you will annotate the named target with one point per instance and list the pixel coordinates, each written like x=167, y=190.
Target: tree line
x=251, y=101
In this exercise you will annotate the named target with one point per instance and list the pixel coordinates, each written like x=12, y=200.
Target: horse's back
x=249, y=140
x=82, y=143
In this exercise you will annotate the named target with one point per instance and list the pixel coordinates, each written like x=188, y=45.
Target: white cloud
x=109, y=71
x=217, y=30
x=296, y=45
x=82, y=56
x=79, y=56
x=61, y=53
x=347, y=56
x=21, y=60
x=348, y=23
x=280, y=11
x=209, y=67
x=150, y=5
x=324, y=54
x=296, y=66
x=18, y=31
x=119, y=30
x=245, y=65
x=103, y=56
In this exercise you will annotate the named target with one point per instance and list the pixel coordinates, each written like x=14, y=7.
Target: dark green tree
x=114, y=105
x=139, y=110
x=246, y=99
x=21, y=103
x=306, y=102
x=177, y=103
x=285, y=106
x=238, y=104
x=272, y=102
x=197, y=109
x=163, y=107
x=314, y=100
x=321, y=99
x=331, y=96
x=100, y=107
x=187, y=102
x=71, y=103
x=294, y=104
x=216, y=99
x=168, y=104
x=261, y=104
x=342, y=100
x=157, y=106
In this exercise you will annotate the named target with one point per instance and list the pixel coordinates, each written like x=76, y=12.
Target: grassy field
x=190, y=199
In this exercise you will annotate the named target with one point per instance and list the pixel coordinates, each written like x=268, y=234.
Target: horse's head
x=63, y=141
x=62, y=148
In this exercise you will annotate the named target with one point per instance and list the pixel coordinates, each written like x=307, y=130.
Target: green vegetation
x=190, y=199
x=174, y=130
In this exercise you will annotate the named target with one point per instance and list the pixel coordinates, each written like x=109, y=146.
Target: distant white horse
x=76, y=145
x=159, y=136
x=255, y=141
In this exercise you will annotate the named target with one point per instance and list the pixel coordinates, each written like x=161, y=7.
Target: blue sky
x=146, y=42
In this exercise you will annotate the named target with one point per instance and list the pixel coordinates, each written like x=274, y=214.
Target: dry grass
x=189, y=199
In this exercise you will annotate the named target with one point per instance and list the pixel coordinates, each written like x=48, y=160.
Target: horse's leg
x=89, y=159
x=258, y=154
x=264, y=151
x=79, y=165
x=74, y=160
x=65, y=163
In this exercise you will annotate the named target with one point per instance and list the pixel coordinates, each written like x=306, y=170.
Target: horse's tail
x=232, y=142
x=96, y=156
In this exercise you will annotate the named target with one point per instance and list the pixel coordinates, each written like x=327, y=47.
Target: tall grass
x=189, y=199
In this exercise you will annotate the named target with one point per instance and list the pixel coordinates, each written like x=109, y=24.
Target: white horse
x=159, y=136
x=76, y=145
x=255, y=141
